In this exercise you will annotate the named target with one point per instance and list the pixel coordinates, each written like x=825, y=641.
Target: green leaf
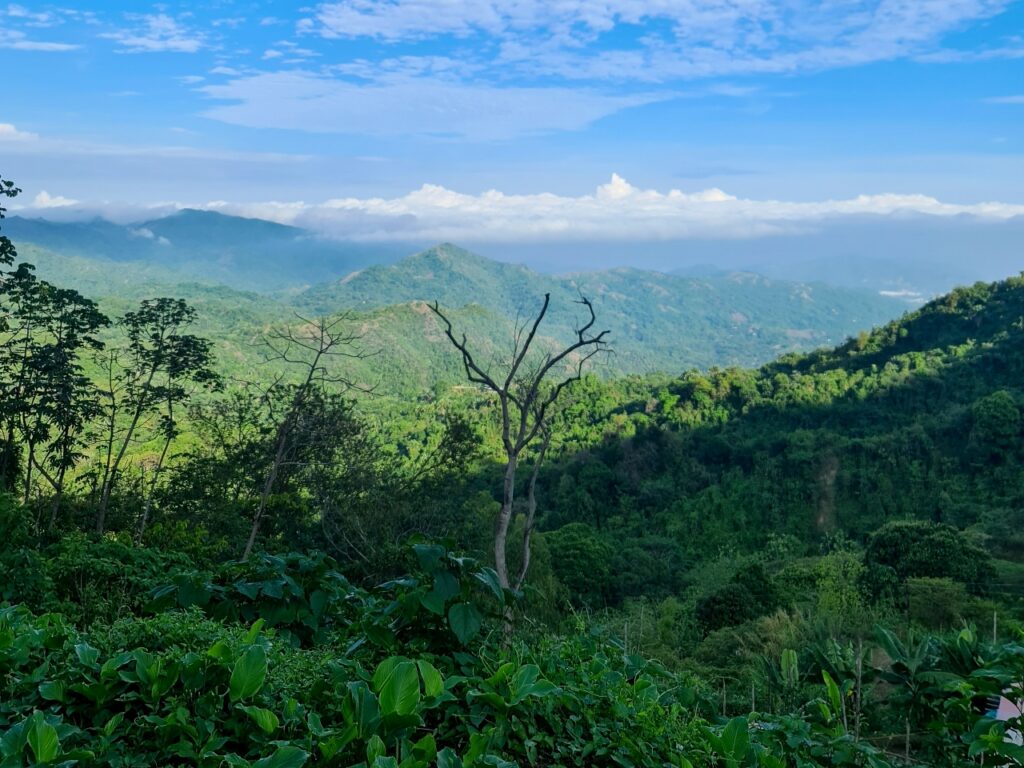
x=284, y=757
x=433, y=683
x=248, y=674
x=834, y=697
x=53, y=690
x=736, y=739
x=254, y=631
x=87, y=654
x=398, y=685
x=42, y=739
x=361, y=709
x=447, y=758
x=264, y=718
x=429, y=555
x=374, y=748
x=489, y=578
x=465, y=621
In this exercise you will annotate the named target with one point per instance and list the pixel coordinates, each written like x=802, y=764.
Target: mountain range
x=245, y=274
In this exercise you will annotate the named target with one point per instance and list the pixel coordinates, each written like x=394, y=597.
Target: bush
x=748, y=595
x=919, y=548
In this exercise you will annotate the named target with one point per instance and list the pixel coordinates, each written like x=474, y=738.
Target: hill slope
x=208, y=247
x=921, y=418
x=658, y=321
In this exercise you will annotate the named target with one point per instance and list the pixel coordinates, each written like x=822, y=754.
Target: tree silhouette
x=526, y=398
x=154, y=368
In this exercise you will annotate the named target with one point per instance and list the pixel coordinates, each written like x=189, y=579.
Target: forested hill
x=207, y=247
x=659, y=321
x=919, y=419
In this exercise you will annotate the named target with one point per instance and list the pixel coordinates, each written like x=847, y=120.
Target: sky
x=533, y=121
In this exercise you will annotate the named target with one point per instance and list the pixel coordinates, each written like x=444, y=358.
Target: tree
x=7, y=250
x=23, y=315
x=59, y=399
x=921, y=548
x=154, y=368
x=526, y=399
x=308, y=348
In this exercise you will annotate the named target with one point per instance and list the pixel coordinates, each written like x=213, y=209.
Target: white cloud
x=403, y=105
x=156, y=33
x=9, y=133
x=679, y=38
x=45, y=200
x=614, y=211
x=17, y=40
x=1017, y=99
x=31, y=18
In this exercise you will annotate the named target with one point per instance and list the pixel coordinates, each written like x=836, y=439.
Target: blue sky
x=371, y=117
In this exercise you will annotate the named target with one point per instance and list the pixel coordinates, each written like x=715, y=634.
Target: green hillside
x=658, y=321
x=209, y=247
x=919, y=419
x=807, y=549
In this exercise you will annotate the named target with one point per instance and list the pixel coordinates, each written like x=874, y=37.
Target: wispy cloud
x=1016, y=99
x=9, y=133
x=405, y=105
x=45, y=200
x=664, y=40
x=16, y=40
x=157, y=33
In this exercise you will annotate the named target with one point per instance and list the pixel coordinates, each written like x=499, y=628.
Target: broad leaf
x=398, y=685
x=248, y=674
x=284, y=757
x=42, y=739
x=264, y=718
x=465, y=621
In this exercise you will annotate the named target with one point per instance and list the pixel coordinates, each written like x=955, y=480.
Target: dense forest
x=208, y=561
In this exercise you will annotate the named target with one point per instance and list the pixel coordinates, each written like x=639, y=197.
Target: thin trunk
x=504, y=518
x=28, y=471
x=906, y=743
x=283, y=434
x=857, y=690
x=58, y=497
x=156, y=477
x=57, y=483
x=531, y=512
x=268, y=486
x=101, y=514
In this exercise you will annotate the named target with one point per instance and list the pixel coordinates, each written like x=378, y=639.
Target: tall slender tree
x=526, y=394
x=160, y=359
x=59, y=399
x=8, y=451
x=308, y=348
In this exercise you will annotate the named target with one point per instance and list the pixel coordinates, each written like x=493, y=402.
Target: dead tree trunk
x=526, y=397
x=309, y=348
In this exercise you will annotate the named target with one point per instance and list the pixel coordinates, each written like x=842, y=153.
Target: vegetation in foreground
x=822, y=554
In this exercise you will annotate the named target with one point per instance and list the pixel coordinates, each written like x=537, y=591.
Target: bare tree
x=526, y=398
x=309, y=348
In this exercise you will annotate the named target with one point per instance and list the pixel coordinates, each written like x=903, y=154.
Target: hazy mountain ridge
x=658, y=321
x=251, y=254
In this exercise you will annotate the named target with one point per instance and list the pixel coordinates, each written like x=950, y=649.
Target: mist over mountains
x=243, y=274
x=915, y=256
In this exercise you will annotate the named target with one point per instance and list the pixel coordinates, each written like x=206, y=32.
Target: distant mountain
x=658, y=321
x=208, y=247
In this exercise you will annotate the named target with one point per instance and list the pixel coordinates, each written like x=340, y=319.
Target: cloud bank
x=615, y=211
